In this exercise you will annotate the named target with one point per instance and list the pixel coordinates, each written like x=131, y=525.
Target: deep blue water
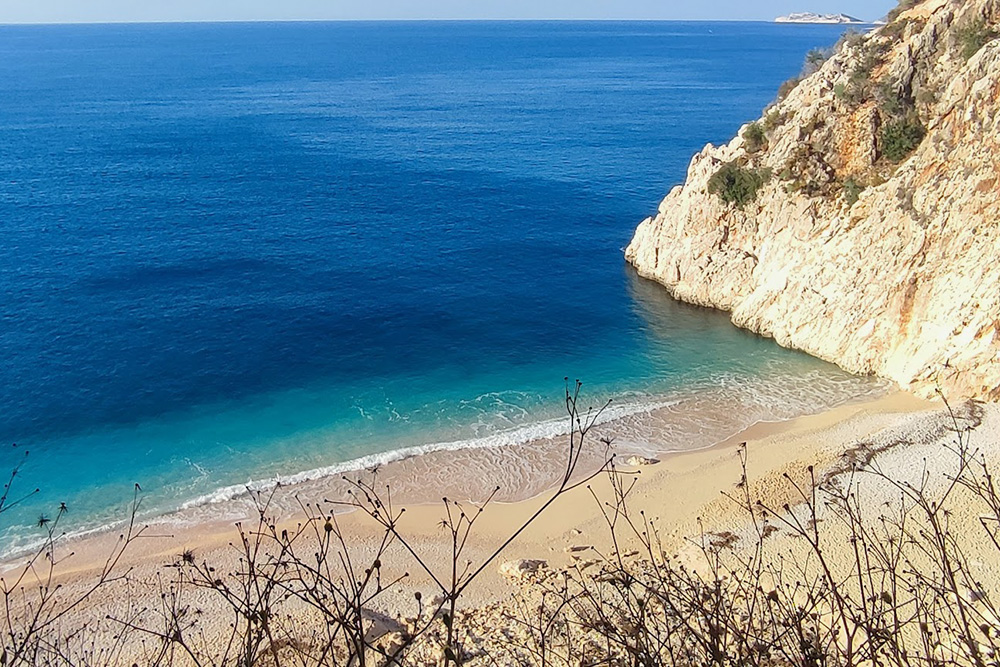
x=238, y=250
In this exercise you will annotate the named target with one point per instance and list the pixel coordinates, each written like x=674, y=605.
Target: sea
x=237, y=253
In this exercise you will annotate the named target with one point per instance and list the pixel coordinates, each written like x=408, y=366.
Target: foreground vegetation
x=766, y=592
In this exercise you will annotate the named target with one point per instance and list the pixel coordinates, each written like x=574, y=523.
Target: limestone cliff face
x=904, y=282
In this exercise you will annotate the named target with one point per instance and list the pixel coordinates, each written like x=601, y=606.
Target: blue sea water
x=236, y=251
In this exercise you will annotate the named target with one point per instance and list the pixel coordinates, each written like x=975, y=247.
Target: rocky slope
x=863, y=215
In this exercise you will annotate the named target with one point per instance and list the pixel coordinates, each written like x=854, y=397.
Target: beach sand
x=678, y=490
x=682, y=493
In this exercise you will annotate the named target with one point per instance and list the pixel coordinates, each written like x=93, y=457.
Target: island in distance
x=809, y=17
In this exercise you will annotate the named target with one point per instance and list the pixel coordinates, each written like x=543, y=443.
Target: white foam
x=687, y=419
x=544, y=430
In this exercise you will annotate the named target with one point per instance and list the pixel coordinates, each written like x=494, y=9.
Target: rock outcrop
x=809, y=17
x=874, y=242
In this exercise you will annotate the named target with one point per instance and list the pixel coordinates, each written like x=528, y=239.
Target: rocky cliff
x=859, y=219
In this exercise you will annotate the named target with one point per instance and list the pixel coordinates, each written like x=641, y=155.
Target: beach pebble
x=640, y=461
x=577, y=549
x=392, y=641
x=519, y=569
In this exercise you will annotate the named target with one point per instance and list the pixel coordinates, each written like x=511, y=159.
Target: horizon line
x=418, y=20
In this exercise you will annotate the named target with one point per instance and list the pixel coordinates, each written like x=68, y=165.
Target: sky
x=99, y=11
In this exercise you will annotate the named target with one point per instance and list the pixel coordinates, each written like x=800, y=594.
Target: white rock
x=636, y=461
x=519, y=569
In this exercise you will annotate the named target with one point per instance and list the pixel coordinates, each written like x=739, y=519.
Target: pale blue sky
x=71, y=11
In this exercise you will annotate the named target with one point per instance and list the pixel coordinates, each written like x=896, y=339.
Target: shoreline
x=683, y=496
x=685, y=474
x=523, y=463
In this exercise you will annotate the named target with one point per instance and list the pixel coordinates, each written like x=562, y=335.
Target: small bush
x=773, y=120
x=899, y=9
x=848, y=94
x=737, y=185
x=815, y=123
x=926, y=96
x=754, y=137
x=891, y=101
x=973, y=36
x=901, y=137
x=850, y=38
x=815, y=60
x=870, y=58
x=859, y=86
x=852, y=191
x=895, y=30
x=854, y=93
x=785, y=89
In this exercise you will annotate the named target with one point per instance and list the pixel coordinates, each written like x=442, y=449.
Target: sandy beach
x=682, y=494
x=676, y=492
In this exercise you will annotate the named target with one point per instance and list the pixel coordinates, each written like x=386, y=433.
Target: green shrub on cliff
x=773, y=120
x=899, y=9
x=735, y=184
x=754, y=137
x=895, y=30
x=973, y=36
x=786, y=88
x=901, y=137
x=852, y=191
x=926, y=96
x=860, y=84
x=815, y=59
x=891, y=100
x=853, y=94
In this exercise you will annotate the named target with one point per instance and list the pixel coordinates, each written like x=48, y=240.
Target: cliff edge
x=859, y=219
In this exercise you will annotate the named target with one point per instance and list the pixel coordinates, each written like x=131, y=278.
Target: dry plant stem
x=905, y=592
x=5, y=502
x=905, y=595
x=459, y=523
x=34, y=605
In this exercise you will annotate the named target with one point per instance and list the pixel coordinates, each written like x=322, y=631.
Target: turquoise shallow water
x=240, y=251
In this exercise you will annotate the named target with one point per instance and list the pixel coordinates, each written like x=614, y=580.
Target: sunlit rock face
x=871, y=244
